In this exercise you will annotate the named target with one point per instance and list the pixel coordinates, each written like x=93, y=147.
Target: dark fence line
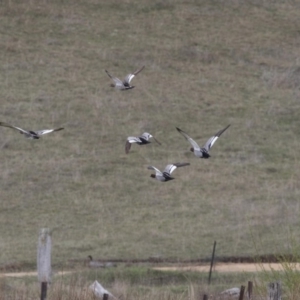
x=269, y=258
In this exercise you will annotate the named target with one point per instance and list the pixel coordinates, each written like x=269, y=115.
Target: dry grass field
x=208, y=64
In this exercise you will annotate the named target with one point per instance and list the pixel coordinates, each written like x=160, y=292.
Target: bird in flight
x=166, y=174
x=29, y=133
x=125, y=84
x=141, y=140
x=204, y=151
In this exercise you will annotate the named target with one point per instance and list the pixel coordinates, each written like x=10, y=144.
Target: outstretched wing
x=45, y=131
x=172, y=167
x=193, y=143
x=213, y=139
x=157, y=172
x=146, y=136
x=133, y=139
x=130, y=76
x=117, y=81
x=14, y=127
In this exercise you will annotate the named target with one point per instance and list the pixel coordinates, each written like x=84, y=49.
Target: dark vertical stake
x=242, y=292
x=250, y=290
x=105, y=296
x=212, y=262
x=43, y=290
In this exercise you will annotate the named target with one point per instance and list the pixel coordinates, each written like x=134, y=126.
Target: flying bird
x=202, y=152
x=166, y=174
x=29, y=133
x=125, y=84
x=141, y=140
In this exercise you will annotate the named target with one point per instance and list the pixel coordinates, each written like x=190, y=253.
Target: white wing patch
x=133, y=139
x=128, y=78
x=146, y=136
x=210, y=142
x=45, y=131
x=170, y=168
x=20, y=129
x=118, y=82
x=157, y=172
x=193, y=143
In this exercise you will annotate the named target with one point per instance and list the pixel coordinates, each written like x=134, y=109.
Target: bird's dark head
x=90, y=257
x=192, y=149
x=112, y=85
x=152, y=175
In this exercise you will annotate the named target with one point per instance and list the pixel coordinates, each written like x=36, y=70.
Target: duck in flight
x=204, y=151
x=141, y=140
x=125, y=84
x=29, y=133
x=166, y=174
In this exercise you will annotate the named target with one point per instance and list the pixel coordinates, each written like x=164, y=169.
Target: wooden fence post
x=212, y=262
x=250, y=290
x=105, y=297
x=274, y=291
x=242, y=290
x=44, y=260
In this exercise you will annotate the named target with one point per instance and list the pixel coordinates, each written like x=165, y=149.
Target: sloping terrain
x=208, y=64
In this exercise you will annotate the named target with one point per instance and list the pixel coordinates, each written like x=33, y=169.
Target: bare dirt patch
x=247, y=267
x=24, y=274
x=222, y=267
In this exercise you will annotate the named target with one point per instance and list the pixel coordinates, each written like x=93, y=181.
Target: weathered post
x=212, y=262
x=44, y=260
x=250, y=290
x=274, y=291
x=105, y=296
x=242, y=290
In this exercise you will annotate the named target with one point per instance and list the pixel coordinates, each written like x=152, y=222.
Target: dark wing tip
x=159, y=143
x=58, y=129
x=179, y=130
x=127, y=147
x=221, y=131
x=178, y=165
x=138, y=70
x=108, y=73
x=185, y=135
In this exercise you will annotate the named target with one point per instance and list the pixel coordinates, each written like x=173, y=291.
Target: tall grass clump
x=288, y=275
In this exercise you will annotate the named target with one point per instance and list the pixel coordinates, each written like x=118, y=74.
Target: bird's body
x=141, y=140
x=202, y=152
x=30, y=134
x=125, y=84
x=95, y=263
x=98, y=264
x=166, y=174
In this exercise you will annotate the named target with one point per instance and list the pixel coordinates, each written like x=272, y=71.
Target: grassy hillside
x=208, y=64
